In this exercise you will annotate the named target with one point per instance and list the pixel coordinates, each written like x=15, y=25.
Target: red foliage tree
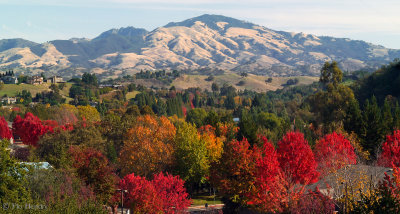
x=171, y=191
x=333, y=152
x=94, y=169
x=234, y=174
x=5, y=132
x=314, y=202
x=30, y=128
x=296, y=158
x=141, y=196
x=267, y=171
x=390, y=151
x=164, y=194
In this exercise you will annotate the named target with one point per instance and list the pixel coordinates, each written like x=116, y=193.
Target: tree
x=30, y=128
x=390, y=155
x=354, y=120
x=234, y=174
x=164, y=194
x=247, y=127
x=93, y=168
x=53, y=148
x=60, y=191
x=141, y=196
x=331, y=75
x=197, y=117
x=331, y=105
x=89, y=113
x=171, y=192
x=148, y=147
x=265, y=197
x=373, y=128
x=214, y=87
x=296, y=158
x=387, y=118
x=90, y=79
x=12, y=178
x=333, y=152
x=24, y=97
x=66, y=114
x=214, y=145
x=190, y=153
x=5, y=132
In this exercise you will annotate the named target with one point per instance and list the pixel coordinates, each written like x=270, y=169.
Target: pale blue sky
x=376, y=21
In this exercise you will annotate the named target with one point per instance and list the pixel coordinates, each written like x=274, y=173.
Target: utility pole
x=122, y=199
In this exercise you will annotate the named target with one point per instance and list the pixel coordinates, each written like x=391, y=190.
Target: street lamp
x=122, y=198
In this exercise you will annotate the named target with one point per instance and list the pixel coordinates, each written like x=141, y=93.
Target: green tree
x=12, y=178
x=354, y=120
x=387, y=118
x=331, y=105
x=331, y=75
x=190, y=153
x=197, y=117
x=247, y=127
x=373, y=128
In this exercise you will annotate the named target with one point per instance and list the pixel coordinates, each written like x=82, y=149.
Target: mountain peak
x=124, y=31
x=212, y=22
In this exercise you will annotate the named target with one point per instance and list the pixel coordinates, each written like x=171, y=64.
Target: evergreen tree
x=387, y=118
x=354, y=119
x=247, y=127
x=373, y=128
x=396, y=117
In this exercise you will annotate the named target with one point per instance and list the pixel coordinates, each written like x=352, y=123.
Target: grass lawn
x=131, y=95
x=251, y=82
x=12, y=90
x=199, y=200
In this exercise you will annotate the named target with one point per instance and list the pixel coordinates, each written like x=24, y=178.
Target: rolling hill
x=207, y=41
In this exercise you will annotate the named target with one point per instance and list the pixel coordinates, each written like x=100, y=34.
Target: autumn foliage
x=297, y=159
x=333, y=152
x=390, y=155
x=5, y=132
x=164, y=194
x=235, y=173
x=30, y=128
x=148, y=148
x=267, y=173
x=214, y=144
x=94, y=169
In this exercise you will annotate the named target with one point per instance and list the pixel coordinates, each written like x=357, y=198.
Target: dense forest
x=264, y=152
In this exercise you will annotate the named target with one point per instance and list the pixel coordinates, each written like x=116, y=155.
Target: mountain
x=207, y=41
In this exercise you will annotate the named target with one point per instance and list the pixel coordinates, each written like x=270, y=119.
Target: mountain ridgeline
x=207, y=41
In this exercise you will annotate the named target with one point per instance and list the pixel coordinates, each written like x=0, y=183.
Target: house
x=55, y=79
x=9, y=100
x=10, y=79
x=335, y=185
x=35, y=80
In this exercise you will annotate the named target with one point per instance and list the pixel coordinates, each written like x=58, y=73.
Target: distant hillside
x=383, y=82
x=208, y=41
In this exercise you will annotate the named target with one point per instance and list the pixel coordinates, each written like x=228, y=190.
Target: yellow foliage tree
x=214, y=144
x=89, y=113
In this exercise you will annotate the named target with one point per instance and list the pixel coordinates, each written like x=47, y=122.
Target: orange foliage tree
x=234, y=174
x=214, y=144
x=148, y=147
